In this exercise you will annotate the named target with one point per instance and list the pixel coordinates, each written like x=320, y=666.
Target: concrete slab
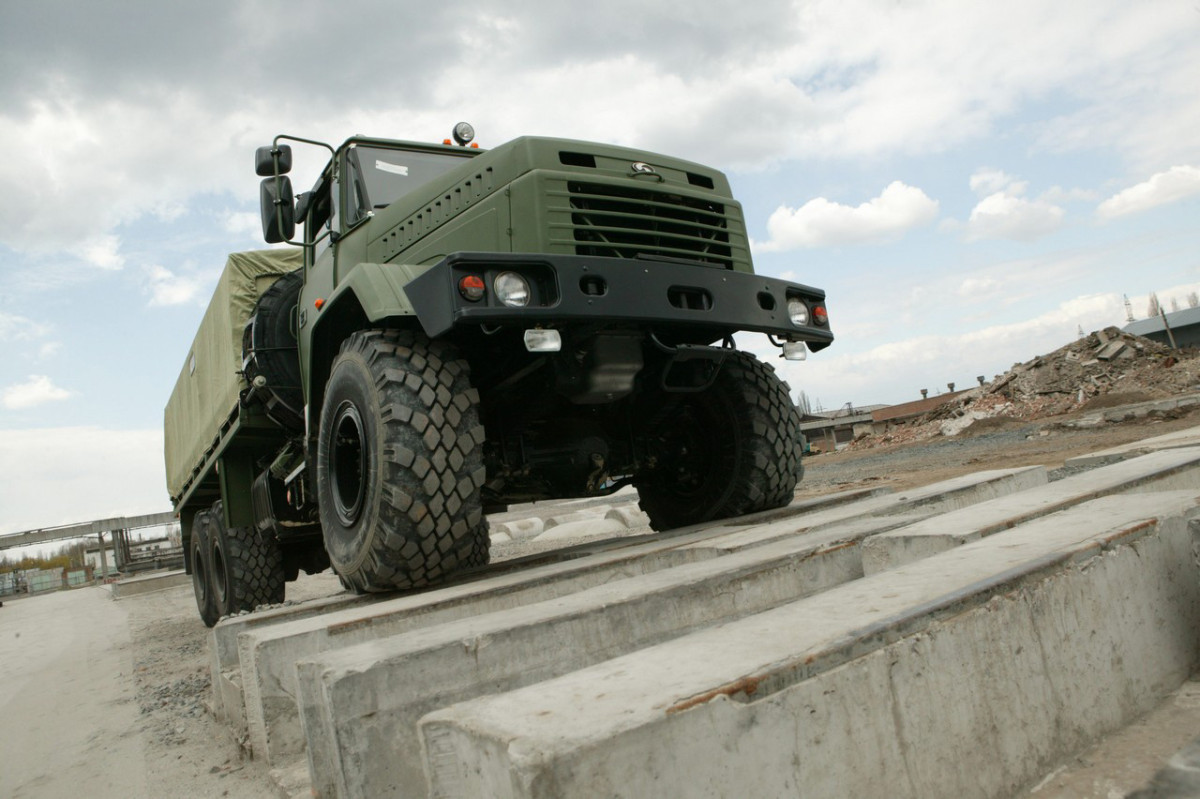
x=1137, y=410
x=1180, y=438
x=965, y=674
x=949, y=495
x=145, y=583
x=224, y=668
x=1160, y=471
x=349, y=698
x=266, y=657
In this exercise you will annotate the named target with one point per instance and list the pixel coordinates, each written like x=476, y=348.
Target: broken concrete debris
x=1101, y=370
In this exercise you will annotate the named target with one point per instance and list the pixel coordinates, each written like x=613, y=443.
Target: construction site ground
x=110, y=698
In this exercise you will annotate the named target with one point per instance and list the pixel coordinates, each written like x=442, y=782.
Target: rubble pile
x=1105, y=368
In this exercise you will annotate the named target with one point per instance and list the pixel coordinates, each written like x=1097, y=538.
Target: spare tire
x=269, y=351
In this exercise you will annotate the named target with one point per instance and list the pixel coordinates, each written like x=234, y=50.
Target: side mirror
x=276, y=207
x=265, y=158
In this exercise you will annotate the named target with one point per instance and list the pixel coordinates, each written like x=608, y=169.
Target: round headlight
x=511, y=289
x=797, y=312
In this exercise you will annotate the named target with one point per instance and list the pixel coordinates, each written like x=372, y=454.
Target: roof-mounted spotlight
x=463, y=133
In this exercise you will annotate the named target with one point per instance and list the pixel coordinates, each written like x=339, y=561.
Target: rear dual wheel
x=201, y=560
x=234, y=569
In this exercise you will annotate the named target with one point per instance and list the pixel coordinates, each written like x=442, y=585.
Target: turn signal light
x=472, y=287
x=820, y=315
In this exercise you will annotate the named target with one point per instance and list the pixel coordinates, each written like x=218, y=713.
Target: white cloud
x=37, y=390
x=242, y=223
x=19, y=328
x=728, y=84
x=1007, y=216
x=167, y=288
x=979, y=287
x=1177, y=183
x=822, y=223
x=1058, y=195
x=992, y=181
x=91, y=473
x=103, y=251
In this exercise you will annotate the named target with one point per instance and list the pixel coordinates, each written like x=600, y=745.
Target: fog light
x=538, y=340
x=511, y=289
x=797, y=312
x=794, y=351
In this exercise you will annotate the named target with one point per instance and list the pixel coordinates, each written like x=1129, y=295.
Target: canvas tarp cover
x=206, y=392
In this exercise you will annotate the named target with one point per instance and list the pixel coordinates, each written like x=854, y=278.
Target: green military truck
x=459, y=329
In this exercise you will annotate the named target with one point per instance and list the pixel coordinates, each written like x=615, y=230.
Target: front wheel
x=399, y=463
x=732, y=449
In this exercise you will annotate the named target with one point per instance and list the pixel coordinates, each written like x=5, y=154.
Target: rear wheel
x=198, y=552
x=732, y=449
x=399, y=463
x=247, y=570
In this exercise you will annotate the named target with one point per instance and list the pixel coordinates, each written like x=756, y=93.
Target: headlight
x=797, y=312
x=511, y=289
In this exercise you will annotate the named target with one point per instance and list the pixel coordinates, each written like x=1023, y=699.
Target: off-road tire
x=201, y=562
x=246, y=568
x=399, y=463
x=732, y=449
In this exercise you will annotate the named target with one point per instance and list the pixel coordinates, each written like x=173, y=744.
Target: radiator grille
x=627, y=221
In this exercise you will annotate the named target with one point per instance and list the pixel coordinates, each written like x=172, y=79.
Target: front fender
x=378, y=290
x=366, y=295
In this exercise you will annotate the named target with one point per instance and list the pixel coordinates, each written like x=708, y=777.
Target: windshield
x=387, y=175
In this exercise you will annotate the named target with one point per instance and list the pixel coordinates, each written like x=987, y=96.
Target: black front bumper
x=574, y=289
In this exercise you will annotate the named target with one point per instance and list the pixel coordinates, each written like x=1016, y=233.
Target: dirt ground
x=112, y=700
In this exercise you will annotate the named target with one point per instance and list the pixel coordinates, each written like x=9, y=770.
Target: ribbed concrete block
x=590, y=515
x=948, y=495
x=224, y=664
x=630, y=516
x=361, y=727
x=520, y=528
x=581, y=528
x=258, y=679
x=964, y=675
x=267, y=655
x=1180, y=438
x=350, y=704
x=1160, y=471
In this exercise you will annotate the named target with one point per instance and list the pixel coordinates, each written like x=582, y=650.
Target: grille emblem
x=642, y=168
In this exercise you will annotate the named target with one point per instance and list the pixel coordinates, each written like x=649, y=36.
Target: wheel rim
x=220, y=588
x=694, y=457
x=199, y=575
x=348, y=464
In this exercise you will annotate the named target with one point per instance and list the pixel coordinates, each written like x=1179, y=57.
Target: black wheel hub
x=348, y=464
x=199, y=574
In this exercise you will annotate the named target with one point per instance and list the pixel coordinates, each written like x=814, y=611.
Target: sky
x=971, y=183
